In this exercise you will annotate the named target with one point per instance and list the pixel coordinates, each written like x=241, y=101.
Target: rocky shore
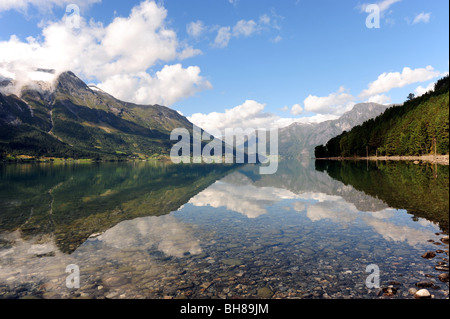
x=264, y=268
x=440, y=159
x=424, y=289
x=442, y=265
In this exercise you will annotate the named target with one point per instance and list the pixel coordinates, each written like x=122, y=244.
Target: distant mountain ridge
x=300, y=139
x=419, y=127
x=71, y=119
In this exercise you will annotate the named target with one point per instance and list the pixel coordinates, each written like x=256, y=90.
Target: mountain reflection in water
x=152, y=230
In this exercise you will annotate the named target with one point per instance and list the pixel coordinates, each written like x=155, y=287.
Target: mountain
x=69, y=119
x=304, y=177
x=418, y=127
x=61, y=207
x=420, y=189
x=299, y=140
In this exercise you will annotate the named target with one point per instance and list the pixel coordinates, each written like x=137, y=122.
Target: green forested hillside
x=75, y=121
x=418, y=127
x=420, y=189
x=72, y=202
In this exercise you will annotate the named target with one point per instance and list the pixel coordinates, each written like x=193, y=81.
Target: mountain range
x=418, y=127
x=299, y=140
x=70, y=119
x=73, y=120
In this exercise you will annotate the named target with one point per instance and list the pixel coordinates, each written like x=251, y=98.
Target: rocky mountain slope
x=71, y=119
x=299, y=140
x=419, y=127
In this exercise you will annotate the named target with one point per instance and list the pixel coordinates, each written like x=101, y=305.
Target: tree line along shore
x=439, y=159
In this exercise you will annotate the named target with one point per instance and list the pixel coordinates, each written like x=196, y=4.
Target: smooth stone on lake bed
x=389, y=291
x=429, y=255
x=422, y=294
x=412, y=291
x=442, y=268
x=116, y=281
x=443, y=277
x=265, y=293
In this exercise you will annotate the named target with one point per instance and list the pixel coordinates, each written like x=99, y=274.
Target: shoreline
x=58, y=161
x=439, y=159
x=28, y=159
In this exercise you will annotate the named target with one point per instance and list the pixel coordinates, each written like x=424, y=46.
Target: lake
x=313, y=230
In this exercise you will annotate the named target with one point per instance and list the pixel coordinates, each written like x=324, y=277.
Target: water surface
x=149, y=230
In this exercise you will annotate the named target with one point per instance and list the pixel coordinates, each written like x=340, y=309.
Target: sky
x=233, y=63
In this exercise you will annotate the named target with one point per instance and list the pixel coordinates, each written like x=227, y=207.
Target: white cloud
x=419, y=91
x=245, y=28
x=41, y=5
x=277, y=39
x=391, y=80
x=223, y=37
x=380, y=99
x=336, y=210
x=241, y=28
x=383, y=5
x=236, y=193
x=265, y=19
x=119, y=67
x=166, y=233
x=336, y=103
x=248, y=115
x=196, y=29
x=317, y=118
x=297, y=109
x=422, y=17
x=251, y=114
x=386, y=4
x=392, y=232
x=167, y=87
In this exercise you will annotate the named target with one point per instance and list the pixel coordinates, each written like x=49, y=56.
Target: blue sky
x=236, y=63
